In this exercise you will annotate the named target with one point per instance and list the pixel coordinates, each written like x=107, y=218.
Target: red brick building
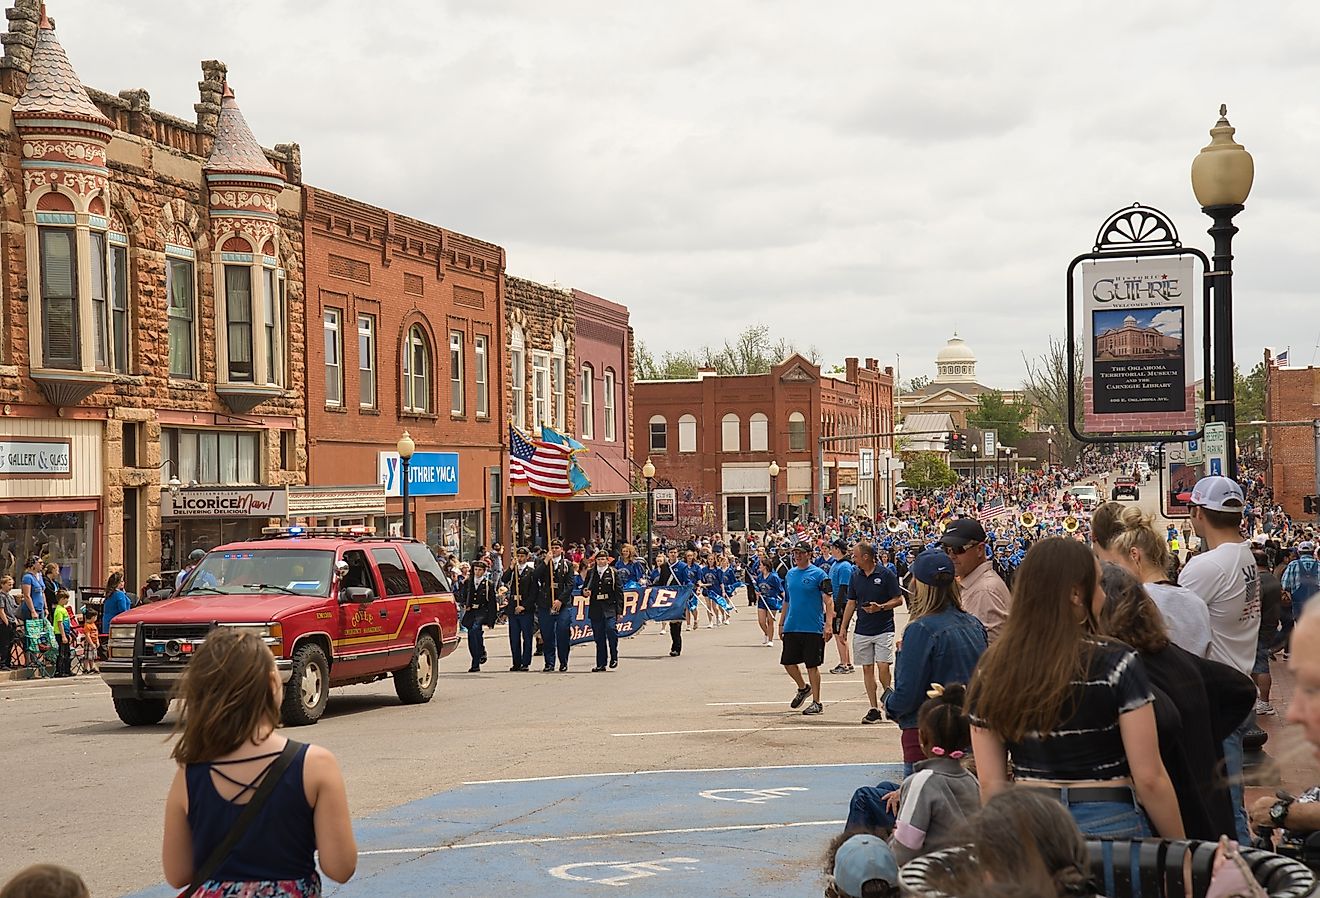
x=1291, y=394
x=151, y=368
x=405, y=329
x=713, y=438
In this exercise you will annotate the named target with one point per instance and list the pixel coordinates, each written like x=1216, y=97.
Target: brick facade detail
x=1291, y=394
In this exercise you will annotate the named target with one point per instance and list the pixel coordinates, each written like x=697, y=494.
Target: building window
x=100, y=303
x=60, y=347
x=745, y=513
x=659, y=433
x=540, y=389
x=797, y=432
x=759, y=433
x=179, y=286
x=238, y=321
x=557, y=383
x=416, y=372
x=608, y=389
x=518, y=378
x=687, y=433
x=275, y=326
x=586, y=402
x=731, y=436
x=119, y=327
x=456, y=405
x=366, y=361
x=334, y=359
x=458, y=532
x=228, y=457
x=479, y=349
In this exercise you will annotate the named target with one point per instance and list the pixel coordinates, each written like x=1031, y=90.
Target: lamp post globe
x=406, y=447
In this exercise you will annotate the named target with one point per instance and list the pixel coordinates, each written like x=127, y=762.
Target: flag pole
x=547, y=523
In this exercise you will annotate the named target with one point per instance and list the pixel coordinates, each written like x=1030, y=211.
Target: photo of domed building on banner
x=954, y=390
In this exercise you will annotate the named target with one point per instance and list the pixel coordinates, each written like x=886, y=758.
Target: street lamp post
x=648, y=472
x=1221, y=179
x=975, y=451
x=774, y=491
x=406, y=448
x=1049, y=453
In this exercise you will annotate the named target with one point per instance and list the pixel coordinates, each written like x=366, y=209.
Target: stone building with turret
x=151, y=319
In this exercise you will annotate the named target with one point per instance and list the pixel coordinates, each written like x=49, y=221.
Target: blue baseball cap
x=932, y=567
x=864, y=858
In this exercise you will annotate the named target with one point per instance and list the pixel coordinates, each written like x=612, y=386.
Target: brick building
x=409, y=329
x=713, y=439
x=151, y=370
x=1291, y=394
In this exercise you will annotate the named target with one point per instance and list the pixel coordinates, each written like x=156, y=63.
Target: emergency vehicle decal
x=365, y=630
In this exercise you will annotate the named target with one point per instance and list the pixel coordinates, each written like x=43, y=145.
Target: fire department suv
x=334, y=608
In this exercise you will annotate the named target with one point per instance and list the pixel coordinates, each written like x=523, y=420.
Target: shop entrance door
x=169, y=548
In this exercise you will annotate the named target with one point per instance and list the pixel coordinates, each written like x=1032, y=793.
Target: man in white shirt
x=1225, y=577
x=984, y=593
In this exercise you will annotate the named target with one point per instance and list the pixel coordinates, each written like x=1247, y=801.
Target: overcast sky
x=866, y=177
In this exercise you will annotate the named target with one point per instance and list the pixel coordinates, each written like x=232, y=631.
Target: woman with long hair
x=769, y=598
x=116, y=600
x=1075, y=710
x=1192, y=728
x=1126, y=536
x=231, y=694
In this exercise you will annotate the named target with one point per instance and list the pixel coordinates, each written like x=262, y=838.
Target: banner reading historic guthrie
x=1138, y=329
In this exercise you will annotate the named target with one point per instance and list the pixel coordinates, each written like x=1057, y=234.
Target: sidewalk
x=1294, y=759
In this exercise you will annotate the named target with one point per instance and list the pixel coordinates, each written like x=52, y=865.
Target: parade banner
x=654, y=603
x=1139, y=368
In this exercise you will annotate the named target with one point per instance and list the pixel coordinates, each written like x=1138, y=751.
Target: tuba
x=893, y=525
x=1027, y=519
x=1070, y=524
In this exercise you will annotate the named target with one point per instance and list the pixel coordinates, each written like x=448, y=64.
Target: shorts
x=878, y=649
x=1262, y=665
x=803, y=648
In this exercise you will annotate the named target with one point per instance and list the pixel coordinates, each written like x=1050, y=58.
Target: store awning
x=336, y=501
x=589, y=496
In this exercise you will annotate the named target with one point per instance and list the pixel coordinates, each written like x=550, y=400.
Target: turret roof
x=236, y=149
x=53, y=89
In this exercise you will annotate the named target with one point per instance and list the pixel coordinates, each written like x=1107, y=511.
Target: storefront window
x=458, y=532
x=63, y=537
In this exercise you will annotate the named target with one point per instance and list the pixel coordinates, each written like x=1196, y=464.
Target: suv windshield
x=304, y=572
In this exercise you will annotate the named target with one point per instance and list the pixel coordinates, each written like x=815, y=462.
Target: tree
x=752, y=352
x=995, y=413
x=928, y=471
x=920, y=382
x=1046, y=388
x=1249, y=401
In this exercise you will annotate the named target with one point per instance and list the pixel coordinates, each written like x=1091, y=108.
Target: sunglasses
x=956, y=550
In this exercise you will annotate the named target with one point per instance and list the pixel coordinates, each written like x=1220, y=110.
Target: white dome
x=956, y=351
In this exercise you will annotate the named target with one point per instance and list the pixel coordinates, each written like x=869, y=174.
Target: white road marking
x=760, y=729
x=750, y=796
x=577, y=776
x=626, y=872
x=594, y=837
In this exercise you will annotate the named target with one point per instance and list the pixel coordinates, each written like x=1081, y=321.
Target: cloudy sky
x=866, y=177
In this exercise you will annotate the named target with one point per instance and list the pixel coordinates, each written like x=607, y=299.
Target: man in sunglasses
x=983, y=591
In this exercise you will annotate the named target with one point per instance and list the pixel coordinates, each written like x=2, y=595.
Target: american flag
x=1281, y=360
x=542, y=466
x=996, y=506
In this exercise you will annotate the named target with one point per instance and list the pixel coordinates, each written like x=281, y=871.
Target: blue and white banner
x=640, y=604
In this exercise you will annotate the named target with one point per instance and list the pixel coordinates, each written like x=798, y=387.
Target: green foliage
x=754, y=351
x=919, y=382
x=1249, y=401
x=1046, y=388
x=928, y=471
x=993, y=412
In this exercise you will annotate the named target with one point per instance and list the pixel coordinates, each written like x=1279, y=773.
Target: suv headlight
x=271, y=634
x=125, y=631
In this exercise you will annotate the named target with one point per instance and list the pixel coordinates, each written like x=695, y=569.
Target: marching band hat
x=522, y=550
x=479, y=563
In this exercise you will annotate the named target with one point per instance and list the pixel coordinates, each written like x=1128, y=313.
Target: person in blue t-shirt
x=116, y=601
x=873, y=594
x=802, y=628
x=841, y=572
x=33, y=604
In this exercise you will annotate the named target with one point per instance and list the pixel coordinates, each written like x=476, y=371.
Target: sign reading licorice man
x=1139, y=369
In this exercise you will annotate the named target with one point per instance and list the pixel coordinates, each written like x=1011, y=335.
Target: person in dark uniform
x=602, y=588
x=563, y=580
x=665, y=575
x=478, y=596
x=520, y=588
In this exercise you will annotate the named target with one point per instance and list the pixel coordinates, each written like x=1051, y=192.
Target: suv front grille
x=175, y=631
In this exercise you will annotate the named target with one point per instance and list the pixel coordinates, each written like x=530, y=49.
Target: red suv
x=335, y=609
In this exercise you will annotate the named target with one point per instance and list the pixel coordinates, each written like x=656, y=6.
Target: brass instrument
x=893, y=525
x=1070, y=524
x=1027, y=519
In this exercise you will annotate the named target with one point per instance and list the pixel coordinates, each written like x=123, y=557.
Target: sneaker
x=800, y=697
x=873, y=716
x=563, y=667
x=839, y=669
x=1263, y=707
x=813, y=708
x=710, y=626
x=476, y=668
x=848, y=669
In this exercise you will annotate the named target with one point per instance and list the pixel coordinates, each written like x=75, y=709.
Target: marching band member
x=520, y=589
x=562, y=583
x=665, y=575
x=769, y=598
x=479, y=599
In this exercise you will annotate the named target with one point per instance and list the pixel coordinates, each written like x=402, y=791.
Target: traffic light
x=951, y=442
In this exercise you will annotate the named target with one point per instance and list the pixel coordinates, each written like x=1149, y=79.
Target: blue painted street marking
x=711, y=832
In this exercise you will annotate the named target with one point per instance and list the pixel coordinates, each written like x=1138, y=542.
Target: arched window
x=687, y=433
x=797, y=432
x=659, y=433
x=731, y=428
x=518, y=377
x=607, y=403
x=586, y=403
x=417, y=372
x=760, y=433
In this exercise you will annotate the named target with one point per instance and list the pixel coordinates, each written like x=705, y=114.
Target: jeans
x=867, y=810
x=1110, y=819
x=547, y=621
x=1233, y=763
x=564, y=632
x=605, y=633
x=476, y=640
x=521, y=627
x=6, y=645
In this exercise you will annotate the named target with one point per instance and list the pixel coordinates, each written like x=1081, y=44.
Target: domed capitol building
x=954, y=390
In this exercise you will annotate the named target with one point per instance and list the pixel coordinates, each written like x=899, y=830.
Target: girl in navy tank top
x=227, y=744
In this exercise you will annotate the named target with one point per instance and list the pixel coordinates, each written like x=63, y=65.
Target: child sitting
x=91, y=639
x=45, y=881
x=860, y=865
x=939, y=795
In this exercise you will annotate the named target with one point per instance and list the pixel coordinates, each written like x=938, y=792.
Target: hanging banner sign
x=640, y=605
x=665, y=504
x=1139, y=365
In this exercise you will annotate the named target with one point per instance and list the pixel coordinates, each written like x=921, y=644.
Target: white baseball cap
x=1306, y=547
x=1218, y=494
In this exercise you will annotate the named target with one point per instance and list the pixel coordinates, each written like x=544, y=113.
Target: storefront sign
x=429, y=473
x=1216, y=448
x=21, y=457
x=225, y=502
x=1139, y=369
x=866, y=463
x=665, y=502
x=845, y=477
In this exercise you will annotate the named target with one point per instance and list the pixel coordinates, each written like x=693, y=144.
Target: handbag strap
x=244, y=822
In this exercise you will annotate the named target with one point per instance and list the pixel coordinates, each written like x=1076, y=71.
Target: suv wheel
x=415, y=684
x=141, y=712
x=309, y=685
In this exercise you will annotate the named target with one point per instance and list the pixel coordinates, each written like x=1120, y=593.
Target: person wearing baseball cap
x=803, y=625
x=841, y=572
x=863, y=865
x=1301, y=579
x=984, y=592
x=1224, y=576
